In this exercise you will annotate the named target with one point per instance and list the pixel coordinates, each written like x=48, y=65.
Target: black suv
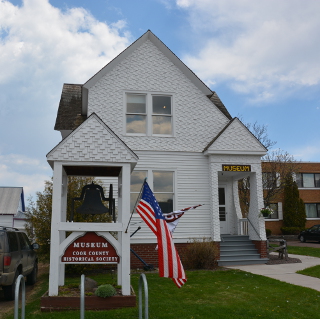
x=17, y=256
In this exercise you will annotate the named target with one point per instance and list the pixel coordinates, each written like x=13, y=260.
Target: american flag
x=173, y=218
x=170, y=265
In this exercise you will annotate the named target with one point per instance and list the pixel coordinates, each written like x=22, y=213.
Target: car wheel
x=302, y=239
x=9, y=291
x=32, y=277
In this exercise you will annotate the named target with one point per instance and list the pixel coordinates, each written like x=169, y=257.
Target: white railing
x=243, y=226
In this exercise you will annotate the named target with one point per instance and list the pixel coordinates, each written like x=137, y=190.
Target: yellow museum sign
x=236, y=168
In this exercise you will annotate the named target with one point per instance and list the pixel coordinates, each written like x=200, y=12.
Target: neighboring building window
x=313, y=210
x=275, y=215
x=149, y=114
x=308, y=180
x=162, y=184
x=269, y=180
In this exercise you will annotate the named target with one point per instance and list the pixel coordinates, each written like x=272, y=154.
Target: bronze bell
x=92, y=196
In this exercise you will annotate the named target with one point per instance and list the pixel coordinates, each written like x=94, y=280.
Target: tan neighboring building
x=308, y=180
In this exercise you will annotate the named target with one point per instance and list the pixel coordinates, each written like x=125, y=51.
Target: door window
x=222, y=205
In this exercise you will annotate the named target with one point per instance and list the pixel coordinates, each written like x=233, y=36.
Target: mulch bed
x=275, y=260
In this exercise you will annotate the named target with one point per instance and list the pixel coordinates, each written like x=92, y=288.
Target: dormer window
x=149, y=114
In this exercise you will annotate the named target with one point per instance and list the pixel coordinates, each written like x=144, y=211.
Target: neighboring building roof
x=69, y=113
x=10, y=198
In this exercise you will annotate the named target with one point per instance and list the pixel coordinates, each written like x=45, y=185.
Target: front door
x=223, y=214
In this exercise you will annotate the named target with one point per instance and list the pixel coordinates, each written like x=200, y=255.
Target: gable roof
x=162, y=47
x=92, y=141
x=235, y=138
x=218, y=103
x=74, y=97
x=10, y=198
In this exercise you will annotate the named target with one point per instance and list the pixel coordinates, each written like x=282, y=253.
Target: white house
x=148, y=109
x=12, y=207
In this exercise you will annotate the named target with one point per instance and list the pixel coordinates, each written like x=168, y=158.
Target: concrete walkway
x=287, y=272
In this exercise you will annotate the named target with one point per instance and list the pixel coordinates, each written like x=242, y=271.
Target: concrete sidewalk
x=287, y=272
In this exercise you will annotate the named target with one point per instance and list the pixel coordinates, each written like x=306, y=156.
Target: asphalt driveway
x=314, y=244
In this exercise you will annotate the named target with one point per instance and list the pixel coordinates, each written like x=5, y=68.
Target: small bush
x=291, y=230
x=200, y=254
x=105, y=291
x=268, y=232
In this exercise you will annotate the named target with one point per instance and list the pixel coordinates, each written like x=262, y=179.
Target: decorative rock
x=89, y=284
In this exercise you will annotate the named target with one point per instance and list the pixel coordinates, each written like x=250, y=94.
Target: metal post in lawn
x=143, y=279
x=19, y=280
x=82, y=305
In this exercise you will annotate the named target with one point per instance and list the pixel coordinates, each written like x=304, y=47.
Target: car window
x=13, y=241
x=2, y=234
x=24, y=242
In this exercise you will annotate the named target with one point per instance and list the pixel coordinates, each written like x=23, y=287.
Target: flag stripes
x=169, y=261
x=145, y=211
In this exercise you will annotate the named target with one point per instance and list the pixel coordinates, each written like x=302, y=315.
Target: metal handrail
x=254, y=228
x=146, y=297
x=82, y=289
x=19, y=280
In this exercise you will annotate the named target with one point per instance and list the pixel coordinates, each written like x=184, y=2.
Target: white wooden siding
x=196, y=119
x=191, y=188
x=6, y=220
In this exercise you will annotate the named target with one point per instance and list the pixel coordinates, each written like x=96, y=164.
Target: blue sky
x=261, y=57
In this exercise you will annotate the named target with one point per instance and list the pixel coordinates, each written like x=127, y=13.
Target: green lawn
x=207, y=294
x=305, y=251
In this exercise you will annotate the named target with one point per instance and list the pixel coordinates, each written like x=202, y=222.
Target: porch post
x=256, y=202
x=55, y=222
x=124, y=237
x=215, y=222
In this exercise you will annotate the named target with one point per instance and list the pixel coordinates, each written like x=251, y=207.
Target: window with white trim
x=149, y=114
x=275, y=214
x=308, y=180
x=270, y=180
x=160, y=182
x=313, y=210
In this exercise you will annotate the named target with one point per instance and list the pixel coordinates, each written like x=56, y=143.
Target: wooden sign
x=90, y=248
x=236, y=168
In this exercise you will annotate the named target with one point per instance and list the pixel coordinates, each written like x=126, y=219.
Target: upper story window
x=270, y=180
x=308, y=180
x=149, y=114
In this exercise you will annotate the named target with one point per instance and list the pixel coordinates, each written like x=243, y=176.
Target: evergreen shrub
x=268, y=232
x=294, y=213
x=291, y=230
x=105, y=291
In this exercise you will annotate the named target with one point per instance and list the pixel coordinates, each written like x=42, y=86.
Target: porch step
x=243, y=262
x=238, y=250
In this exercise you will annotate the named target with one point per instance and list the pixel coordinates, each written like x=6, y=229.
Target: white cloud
x=31, y=183
x=22, y=161
x=263, y=47
x=308, y=152
x=42, y=47
x=40, y=40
